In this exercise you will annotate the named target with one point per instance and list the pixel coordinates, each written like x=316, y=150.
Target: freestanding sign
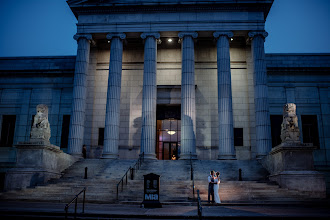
x=151, y=191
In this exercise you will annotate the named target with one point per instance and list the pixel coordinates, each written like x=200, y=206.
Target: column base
x=109, y=156
x=226, y=157
x=187, y=156
x=150, y=156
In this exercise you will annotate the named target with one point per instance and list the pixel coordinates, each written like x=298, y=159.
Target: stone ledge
x=38, y=145
x=37, y=162
x=311, y=182
x=292, y=146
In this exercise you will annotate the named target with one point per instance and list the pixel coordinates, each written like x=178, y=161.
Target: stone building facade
x=173, y=79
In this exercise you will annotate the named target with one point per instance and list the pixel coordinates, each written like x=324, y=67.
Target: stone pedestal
x=37, y=162
x=291, y=166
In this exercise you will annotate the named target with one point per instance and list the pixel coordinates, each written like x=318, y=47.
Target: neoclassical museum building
x=172, y=79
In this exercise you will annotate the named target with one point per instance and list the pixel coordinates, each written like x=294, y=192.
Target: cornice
x=86, y=9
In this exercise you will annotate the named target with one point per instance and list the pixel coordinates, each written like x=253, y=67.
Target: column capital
x=228, y=34
x=192, y=34
x=156, y=35
x=263, y=34
x=87, y=36
x=112, y=35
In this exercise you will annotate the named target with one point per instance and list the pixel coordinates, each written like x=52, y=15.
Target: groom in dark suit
x=211, y=190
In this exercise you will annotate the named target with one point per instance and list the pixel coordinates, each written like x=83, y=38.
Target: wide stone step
x=175, y=183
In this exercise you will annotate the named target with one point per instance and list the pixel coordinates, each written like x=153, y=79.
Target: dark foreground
x=36, y=210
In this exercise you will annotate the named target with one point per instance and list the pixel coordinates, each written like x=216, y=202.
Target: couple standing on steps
x=214, y=181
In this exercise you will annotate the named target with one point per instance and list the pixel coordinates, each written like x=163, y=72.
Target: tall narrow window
x=310, y=129
x=2, y=180
x=65, y=131
x=101, y=137
x=238, y=136
x=275, y=123
x=7, y=130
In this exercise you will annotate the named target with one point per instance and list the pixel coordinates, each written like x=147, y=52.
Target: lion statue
x=289, y=128
x=41, y=128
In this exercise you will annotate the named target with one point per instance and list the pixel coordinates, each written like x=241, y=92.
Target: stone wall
x=26, y=82
x=169, y=73
x=301, y=79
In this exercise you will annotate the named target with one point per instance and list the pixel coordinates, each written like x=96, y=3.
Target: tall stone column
x=77, y=122
x=263, y=132
x=225, y=106
x=111, y=130
x=149, y=98
x=188, y=110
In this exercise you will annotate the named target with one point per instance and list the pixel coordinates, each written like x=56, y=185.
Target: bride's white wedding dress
x=216, y=191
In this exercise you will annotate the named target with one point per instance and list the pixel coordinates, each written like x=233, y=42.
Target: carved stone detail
x=156, y=35
x=112, y=35
x=87, y=36
x=263, y=34
x=192, y=34
x=228, y=34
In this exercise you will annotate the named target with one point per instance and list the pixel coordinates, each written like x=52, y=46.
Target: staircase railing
x=133, y=169
x=75, y=199
x=192, y=175
x=199, y=206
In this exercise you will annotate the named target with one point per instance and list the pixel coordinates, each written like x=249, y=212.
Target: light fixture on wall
x=169, y=40
x=171, y=132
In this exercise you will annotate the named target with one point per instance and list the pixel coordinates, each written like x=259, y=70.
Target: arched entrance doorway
x=168, y=132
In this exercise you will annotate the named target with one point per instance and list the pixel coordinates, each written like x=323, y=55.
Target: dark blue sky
x=46, y=27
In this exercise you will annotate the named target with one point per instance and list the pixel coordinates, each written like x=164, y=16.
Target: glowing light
x=231, y=39
x=169, y=40
x=171, y=132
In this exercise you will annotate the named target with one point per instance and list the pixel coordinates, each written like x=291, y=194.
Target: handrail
x=75, y=199
x=135, y=167
x=199, y=206
x=192, y=175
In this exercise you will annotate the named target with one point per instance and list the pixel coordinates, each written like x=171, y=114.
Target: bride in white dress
x=216, y=188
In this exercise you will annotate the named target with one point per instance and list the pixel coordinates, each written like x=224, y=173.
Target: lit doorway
x=168, y=139
x=168, y=131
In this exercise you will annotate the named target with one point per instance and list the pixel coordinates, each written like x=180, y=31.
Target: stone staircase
x=254, y=187
x=103, y=176
x=175, y=183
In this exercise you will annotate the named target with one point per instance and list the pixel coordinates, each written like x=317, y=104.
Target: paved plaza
x=119, y=211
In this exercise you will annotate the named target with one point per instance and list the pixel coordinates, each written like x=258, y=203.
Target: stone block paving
x=119, y=211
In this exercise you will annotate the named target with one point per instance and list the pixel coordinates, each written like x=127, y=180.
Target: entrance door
x=170, y=151
x=168, y=139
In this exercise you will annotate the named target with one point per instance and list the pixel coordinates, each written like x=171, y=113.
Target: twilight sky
x=46, y=27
